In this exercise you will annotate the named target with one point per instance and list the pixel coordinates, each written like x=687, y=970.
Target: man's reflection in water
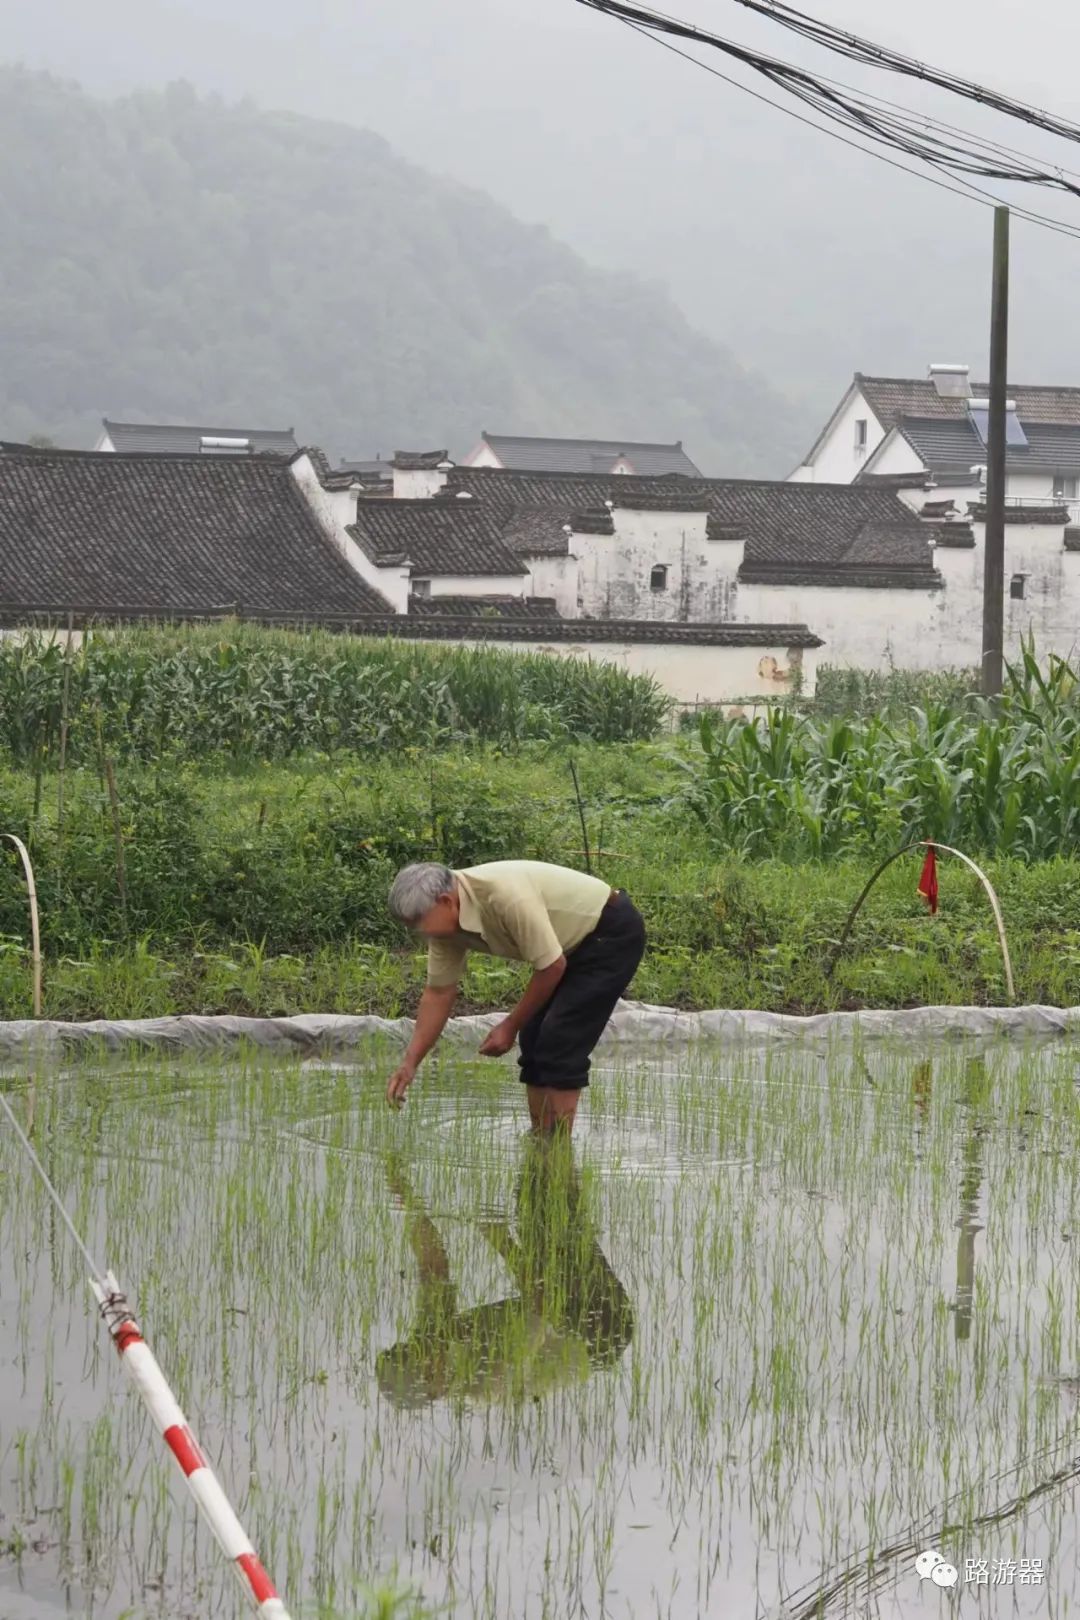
x=569, y=1316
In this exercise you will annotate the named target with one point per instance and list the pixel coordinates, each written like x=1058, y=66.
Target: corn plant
x=251, y=693
x=1000, y=778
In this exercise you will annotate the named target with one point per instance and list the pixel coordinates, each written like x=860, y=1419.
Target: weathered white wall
x=1049, y=610
x=614, y=569
x=417, y=483
x=691, y=674
x=480, y=585
x=837, y=460
x=335, y=509
x=937, y=629
x=557, y=577
x=865, y=628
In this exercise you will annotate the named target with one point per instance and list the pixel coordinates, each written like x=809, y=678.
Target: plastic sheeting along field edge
x=634, y=1023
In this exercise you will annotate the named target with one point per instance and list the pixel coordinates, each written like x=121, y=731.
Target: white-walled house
x=882, y=584
x=936, y=426
x=94, y=538
x=159, y=439
x=626, y=457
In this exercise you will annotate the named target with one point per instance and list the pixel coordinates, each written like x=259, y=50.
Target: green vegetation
x=198, y=853
x=253, y=694
x=262, y=889
x=264, y=269
x=1001, y=779
x=417, y=1346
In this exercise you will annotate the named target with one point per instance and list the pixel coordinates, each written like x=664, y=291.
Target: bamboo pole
x=930, y=843
x=35, y=932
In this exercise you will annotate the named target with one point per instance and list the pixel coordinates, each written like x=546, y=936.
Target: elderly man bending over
x=582, y=938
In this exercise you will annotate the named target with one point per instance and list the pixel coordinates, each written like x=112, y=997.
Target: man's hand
x=399, y=1083
x=500, y=1040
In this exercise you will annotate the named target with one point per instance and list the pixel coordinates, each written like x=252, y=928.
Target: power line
x=856, y=49
x=854, y=115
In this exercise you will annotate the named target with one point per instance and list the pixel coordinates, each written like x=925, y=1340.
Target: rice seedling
x=780, y=1321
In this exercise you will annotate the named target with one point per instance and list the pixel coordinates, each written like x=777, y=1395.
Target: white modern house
x=936, y=427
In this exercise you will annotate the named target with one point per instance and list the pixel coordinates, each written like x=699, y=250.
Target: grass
x=258, y=885
x=824, y=1306
x=262, y=890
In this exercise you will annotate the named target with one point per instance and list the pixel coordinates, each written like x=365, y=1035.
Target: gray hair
x=416, y=888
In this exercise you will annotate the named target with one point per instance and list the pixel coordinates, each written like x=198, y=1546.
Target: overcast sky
x=807, y=259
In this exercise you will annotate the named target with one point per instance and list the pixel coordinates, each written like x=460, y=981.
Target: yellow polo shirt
x=525, y=910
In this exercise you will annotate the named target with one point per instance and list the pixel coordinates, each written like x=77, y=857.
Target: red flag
x=928, y=881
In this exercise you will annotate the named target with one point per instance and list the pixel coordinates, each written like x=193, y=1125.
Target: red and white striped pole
x=141, y=1367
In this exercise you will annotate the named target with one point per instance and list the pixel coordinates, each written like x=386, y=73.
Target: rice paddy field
x=776, y=1325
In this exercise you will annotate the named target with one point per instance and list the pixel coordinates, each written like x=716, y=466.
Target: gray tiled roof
x=785, y=524
x=537, y=531
x=1017, y=512
x=520, y=453
x=582, y=631
x=416, y=460
x=955, y=446
x=483, y=607
x=156, y=439
x=374, y=469
x=436, y=537
x=149, y=535
x=890, y=398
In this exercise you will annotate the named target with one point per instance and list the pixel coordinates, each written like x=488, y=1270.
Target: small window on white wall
x=658, y=578
x=1065, y=487
x=1017, y=586
x=421, y=587
x=860, y=434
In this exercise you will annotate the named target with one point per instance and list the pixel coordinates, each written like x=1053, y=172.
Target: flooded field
x=778, y=1325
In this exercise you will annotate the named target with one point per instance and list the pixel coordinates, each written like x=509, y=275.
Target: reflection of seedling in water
x=795, y=1380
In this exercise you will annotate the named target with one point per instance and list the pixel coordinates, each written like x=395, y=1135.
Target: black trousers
x=555, y=1045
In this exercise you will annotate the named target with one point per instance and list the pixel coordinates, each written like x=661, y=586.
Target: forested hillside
x=170, y=257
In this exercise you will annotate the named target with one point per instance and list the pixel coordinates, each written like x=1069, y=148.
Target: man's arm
x=436, y=1005
x=539, y=990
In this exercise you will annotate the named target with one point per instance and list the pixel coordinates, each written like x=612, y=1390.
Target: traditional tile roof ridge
x=1048, y=515
x=903, y=480
x=802, y=525
x=329, y=477
x=369, y=469
x=906, y=579
x=436, y=537
x=169, y=438
x=484, y=607
x=727, y=634
x=418, y=460
x=891, y=398
x=149, y=535
x=955, y=536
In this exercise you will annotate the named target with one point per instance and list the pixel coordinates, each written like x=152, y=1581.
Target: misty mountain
x=168, y=256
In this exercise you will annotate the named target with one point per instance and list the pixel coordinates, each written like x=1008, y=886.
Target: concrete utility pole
x=994, y=559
